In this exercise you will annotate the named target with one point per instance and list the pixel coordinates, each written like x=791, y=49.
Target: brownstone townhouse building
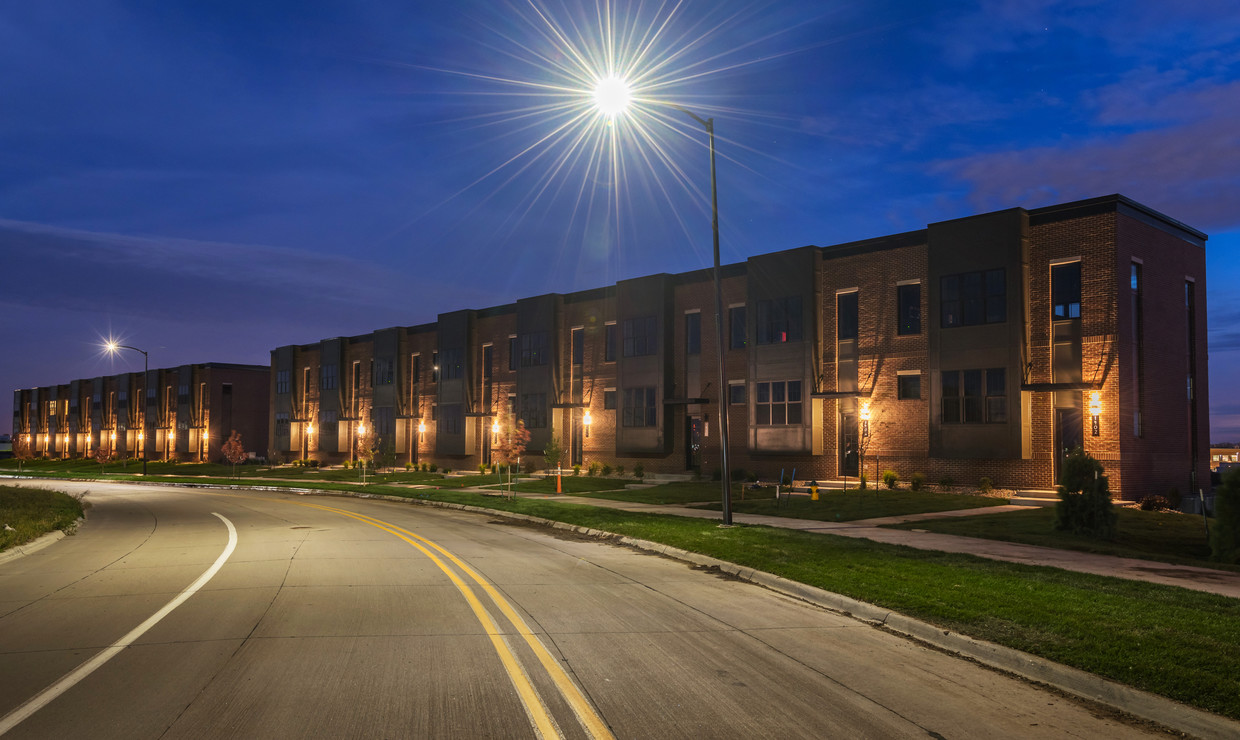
x=987, y=346
x=182, y=413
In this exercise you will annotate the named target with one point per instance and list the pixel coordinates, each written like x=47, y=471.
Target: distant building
x=1223, y=459
x=183, y=413
x=987, y=346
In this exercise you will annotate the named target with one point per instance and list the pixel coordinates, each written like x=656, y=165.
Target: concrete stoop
x=1034, y=498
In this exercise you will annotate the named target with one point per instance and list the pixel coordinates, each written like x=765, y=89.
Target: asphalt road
x=337, y=617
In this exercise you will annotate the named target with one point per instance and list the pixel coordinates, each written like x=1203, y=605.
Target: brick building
x=189, y=411
x=979, y=347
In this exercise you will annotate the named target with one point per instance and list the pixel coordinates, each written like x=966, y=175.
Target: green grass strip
x=33, y=512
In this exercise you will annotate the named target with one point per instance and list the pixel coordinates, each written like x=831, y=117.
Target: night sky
x=211, y=180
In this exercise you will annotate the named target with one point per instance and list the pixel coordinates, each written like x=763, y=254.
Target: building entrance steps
x=1224, y=583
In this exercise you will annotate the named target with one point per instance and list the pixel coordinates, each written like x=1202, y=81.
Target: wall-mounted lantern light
x=586, y=421
x=865, y=418
x=1095, y=408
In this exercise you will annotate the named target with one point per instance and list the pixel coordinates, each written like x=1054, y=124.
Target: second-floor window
x=640, y=336
x=779, y=320
x=385, y=371
x=693, y=334
x=777, y=403
x=1066, y=291
x=639, y=408
x=451, y=364
x=534, y=349
x=736, y=324
x=973, y=298
x=534, y=410
x=282, y=381
x=327, y=377
x=974, y=396
x=908, y=309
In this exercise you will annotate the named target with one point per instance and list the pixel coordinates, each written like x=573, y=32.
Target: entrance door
x=1069, y=435
x=693, y=442
x=848, y=444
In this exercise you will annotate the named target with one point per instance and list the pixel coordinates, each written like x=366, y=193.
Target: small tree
x=1225, y=533
x=1084, y=498
x=367, y=441
x=511, y=443
x=102, y=456
x=22, y=450
x=234, y=451
x=552, y=453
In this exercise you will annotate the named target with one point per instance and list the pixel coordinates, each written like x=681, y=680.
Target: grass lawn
x=1151, y=535
x=33, y=512
x=680, y=492
x=571, y=484
x=845, y=506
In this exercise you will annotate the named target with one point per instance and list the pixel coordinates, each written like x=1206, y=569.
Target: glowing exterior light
x=139, y=436
x=171, y=435
x=421, y=427
x=113, y=436
x=1095, y=409
x=310, y=429
x=361, y=428
x=495, y=427
x=205, y=434
x=865, y=411
x=586, y=421
x=612, y=96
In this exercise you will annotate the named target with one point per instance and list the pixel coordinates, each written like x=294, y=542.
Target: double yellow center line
x=544, y=725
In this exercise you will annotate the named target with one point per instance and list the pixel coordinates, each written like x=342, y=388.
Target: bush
x=1155, y=503
x=1225, y=530
x=606, y=470
x=426, y=468
x=592, y=471
x=891, y=480
x=447, y=470
x=985, y=485
x=639, y=471
x=620, y=471
x=864, y=481
x=347, y=464
x=408, y=466
x=1084, y=498
x=434, y=468
x=917, y=481
x=946, y=483
x=1174, y=499
x=752, y=476
x=576, y=470
x=482, y=468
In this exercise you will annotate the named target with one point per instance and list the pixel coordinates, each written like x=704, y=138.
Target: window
x=609, y=399
x=415, y=369
x=908, y=308
x=327, y=377
x=183, y=392
x=385, y=371
x=778, y=403
x=736, y=393
x=639, y=407
x=640, y=336
x=512, y=353
x=779, y=320
x=534, y=410
x=973, y=298
x=512, y=405
x=693, y=334
x=327, y=423
x=1066, y=291
x=975, y=396
x=579, y=346
x=908, y=386
x=282, y=422
x=846, y=318
x=736, y=319
x=1138, y=350
x=451, y=364
x=534, y=349
x=452, y=418
x=282, y=381
x=609, y=342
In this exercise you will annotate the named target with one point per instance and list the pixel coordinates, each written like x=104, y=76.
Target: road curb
x=1167, y=712
x=38, y=544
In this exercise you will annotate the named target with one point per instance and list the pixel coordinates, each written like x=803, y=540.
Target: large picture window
x=974, y=396
x=451, y=364
x=534, y=410
x=973, y=298
x=1066, y=291
x=327, y=377
x=640, y=336
x=779, y=320
x=908, y=309
x=777, y=403
x=534, y=349
x=639, y=408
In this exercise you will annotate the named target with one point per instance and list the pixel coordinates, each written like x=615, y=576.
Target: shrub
x=1084, y=498
x=1225, y=532
x=620, y=471
x=592, y=471
x=426, y=468
x=737, y=474
x=1174, y=500
x=482, y=468
x=752, y=476
x=576, y=469
x=946, y=483
x=447, y=470
x=606, y=469
x=985, y=485
x=890, y=479
x=917, y=481
x=1155, y=503
x=863, y=481
x=434, y=468
x=639, y=471
x=408, y=466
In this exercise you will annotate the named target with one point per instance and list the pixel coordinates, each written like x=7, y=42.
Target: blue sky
x=211, y=180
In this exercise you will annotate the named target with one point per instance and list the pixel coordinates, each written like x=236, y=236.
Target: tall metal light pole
x=612, y=96
x=113, y=347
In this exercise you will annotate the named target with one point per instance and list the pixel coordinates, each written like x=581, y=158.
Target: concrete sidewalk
x=1225, y=583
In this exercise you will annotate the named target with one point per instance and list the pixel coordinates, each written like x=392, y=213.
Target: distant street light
x=612, y=96
x=113, y=348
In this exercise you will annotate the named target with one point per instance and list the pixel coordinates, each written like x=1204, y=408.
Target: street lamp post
x=112, y=348
x=611, y=97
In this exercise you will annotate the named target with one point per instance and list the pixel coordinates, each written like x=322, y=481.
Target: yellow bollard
x=813, y=491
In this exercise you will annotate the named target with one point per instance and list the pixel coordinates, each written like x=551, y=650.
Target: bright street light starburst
x=612, y=95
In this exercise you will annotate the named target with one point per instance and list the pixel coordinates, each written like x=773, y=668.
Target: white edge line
x=44, y=697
